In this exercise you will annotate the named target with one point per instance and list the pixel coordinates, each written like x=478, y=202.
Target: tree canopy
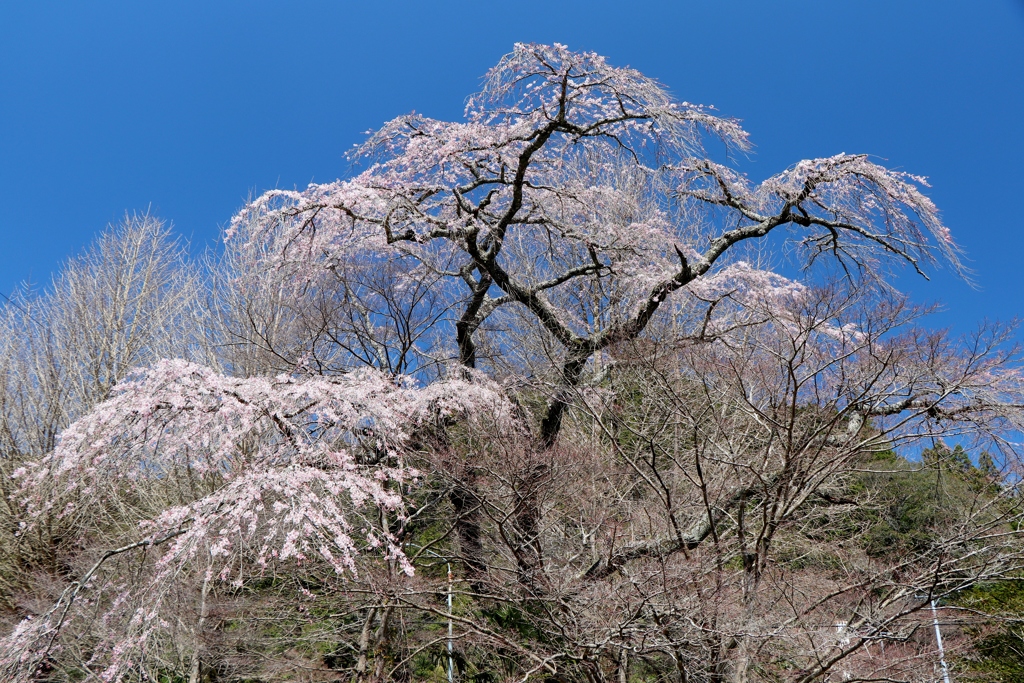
x=556, y=378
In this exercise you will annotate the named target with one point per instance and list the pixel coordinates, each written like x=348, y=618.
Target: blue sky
x=187, y=107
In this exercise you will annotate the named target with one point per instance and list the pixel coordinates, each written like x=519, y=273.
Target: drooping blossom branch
x=281, y=469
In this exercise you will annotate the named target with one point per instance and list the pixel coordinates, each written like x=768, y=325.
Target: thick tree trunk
x=364, y=644
x=463, y=498
x=527, y=523
x=470, y=321
x=572, y=372
x=466, y=506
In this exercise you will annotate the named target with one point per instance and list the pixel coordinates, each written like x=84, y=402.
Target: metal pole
x=452, y=660
x=938, y=639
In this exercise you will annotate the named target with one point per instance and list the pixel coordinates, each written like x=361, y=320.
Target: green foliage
x=510, y=617
x=999, y=644
x=908, y=504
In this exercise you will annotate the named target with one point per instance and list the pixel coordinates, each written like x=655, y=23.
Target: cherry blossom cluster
x=286, y=469
x=572, y=179
x=552, y=141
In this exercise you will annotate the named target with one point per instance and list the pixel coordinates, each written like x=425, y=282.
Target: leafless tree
x=602, y=438
x=128, y=300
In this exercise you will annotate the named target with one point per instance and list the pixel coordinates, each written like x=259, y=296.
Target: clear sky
x=188, y=107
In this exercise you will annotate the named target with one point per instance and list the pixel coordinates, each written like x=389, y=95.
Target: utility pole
x=938, y=639
x=452, y=659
